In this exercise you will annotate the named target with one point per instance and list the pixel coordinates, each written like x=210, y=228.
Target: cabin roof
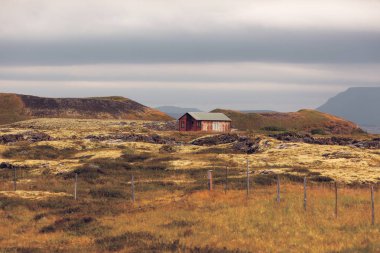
x=212, y=116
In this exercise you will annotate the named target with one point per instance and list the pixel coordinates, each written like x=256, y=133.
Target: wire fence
x=133, y=183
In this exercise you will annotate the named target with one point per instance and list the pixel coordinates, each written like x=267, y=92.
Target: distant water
x=371, y=129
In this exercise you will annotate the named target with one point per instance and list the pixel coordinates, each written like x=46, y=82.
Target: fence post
x=373, y=205
x=304, y=193
x=336, y=200
x=247, y=177
x=75, y=186
x=226, y=186
x=278, y=189
x=14, y=179
x=133, y=188
x=209, y=176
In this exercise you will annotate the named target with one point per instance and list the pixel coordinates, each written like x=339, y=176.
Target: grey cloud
x=255, y=44
x=183, y=78
x=205, y=99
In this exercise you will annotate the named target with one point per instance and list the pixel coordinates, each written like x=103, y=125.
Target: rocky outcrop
x=341, y=141
x=240, y=144
x=27, y=136
x=215, y=140
x=5, y=165
x=247, y=145
x=154, y=138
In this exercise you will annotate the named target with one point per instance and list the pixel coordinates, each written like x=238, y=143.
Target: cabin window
x=182, y=124
x=199, y=123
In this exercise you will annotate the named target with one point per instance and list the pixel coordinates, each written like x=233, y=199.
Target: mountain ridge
x=358, y=104
x=17, y=107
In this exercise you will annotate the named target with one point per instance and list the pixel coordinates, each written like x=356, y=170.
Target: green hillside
x=303, y=120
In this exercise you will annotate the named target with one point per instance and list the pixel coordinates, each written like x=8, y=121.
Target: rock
x=215, y=140
x=339, y=154
x=37, y=136
x=241, y=144
x=7, y=138
x=266, y=172
x=4, y=165
x=27, y=136
x=341, y=141
x=155, y=138
x=246, y=145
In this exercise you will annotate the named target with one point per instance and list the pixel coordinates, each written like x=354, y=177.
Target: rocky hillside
x=14, y=107
x=303, y=120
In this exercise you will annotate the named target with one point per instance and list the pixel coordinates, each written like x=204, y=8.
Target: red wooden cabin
x=204, y=121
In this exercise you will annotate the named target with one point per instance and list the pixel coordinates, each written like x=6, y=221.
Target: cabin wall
x=216, y=126
x=187, y=123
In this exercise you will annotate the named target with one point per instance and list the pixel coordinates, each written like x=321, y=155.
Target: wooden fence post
x=372, y=205
x=133, y=188
x=278, y=189
x=304, y=193
x=336, y=200
x=226, y=186
x=14, y=179
x=247, y=177
x=75, y=186
x=209, y=176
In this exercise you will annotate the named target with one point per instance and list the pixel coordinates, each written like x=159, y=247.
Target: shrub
x=106, y=193
x=299, y=170
x=265, y=179
x=321, y=179
x=167, y=149
x=41, y=152
x=78, y=226
x=273, y=129
x=135, y=157
x=318, y=131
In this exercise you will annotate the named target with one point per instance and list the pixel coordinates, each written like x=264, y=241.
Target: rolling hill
x=360, y=105
x=303, y=120
x=15, y=107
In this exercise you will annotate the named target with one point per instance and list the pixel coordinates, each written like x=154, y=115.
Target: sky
x=281, y=55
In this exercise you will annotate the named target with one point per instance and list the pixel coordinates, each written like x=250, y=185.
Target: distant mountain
x=303, y=120
x=175, y=111
x=14, y=107
x=360, y=105
x=257, y=111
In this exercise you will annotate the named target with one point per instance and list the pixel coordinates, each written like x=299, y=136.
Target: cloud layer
x=242, y=54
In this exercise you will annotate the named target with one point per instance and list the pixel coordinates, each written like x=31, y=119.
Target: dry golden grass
x=210, y=222
x=173, y=211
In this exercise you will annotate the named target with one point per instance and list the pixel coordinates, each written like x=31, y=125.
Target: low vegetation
x=303, y=120
x=173, y=209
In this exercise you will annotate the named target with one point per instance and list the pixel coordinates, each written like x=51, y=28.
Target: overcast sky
x=240, y=54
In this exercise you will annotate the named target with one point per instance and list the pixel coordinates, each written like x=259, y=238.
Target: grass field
x=174, y=211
